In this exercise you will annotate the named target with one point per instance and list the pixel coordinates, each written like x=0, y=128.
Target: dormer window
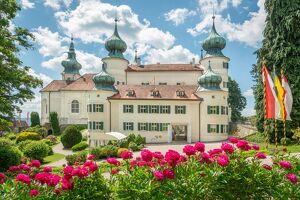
x=130, y=93
x=180, y=93
x=155, y=93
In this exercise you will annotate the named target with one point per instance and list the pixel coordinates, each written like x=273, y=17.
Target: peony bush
x=236, y=170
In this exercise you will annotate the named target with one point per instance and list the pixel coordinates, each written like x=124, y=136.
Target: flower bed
x=223, y=173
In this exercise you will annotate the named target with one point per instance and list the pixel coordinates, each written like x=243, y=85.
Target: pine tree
x=54, y=123
x=35, y=119
x=280, y=48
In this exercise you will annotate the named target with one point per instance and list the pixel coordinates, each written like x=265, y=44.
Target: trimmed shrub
x=131, y=138
x=133, y=146
x=36, y=150
x=27, y=136
x=81, y=127
x=96, y=151
x=35, y=119
x=53, y=139
x=10, y=136
x=120, y=151
x=78, y=157
x=80, y=146
x=23, y=144
x=9, y=156
x=71, y=136
x=54, y=123
x=37, y=129
x=285, y=141
x=109, y=151
x=84, y=138
x=4, y=142
x=140, y=140
x=124, y=144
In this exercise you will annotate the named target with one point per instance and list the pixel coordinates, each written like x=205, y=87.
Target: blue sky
x=165, y=31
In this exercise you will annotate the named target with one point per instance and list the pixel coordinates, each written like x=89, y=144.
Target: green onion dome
x=71, y=65
x=104, y=81
x=115, y=45
x=210, y=80
x=214, y=43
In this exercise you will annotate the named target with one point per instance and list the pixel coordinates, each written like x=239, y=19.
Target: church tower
x=115, y=61
x=71, y=65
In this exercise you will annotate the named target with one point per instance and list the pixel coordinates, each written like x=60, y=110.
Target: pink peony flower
x=158, y=155
x=228, y=148
x=34, y=193
x=47, y=169
x=126, y=155
x=93, y=167
x=115, y=171
x=159, y=175
x=24, y=167
x=285, y=164
x=24, y=178
x=14, y=169
x=35, y=163
x=260, y=155
x=66, y=184
x=292, y=178
x=146, y=155
x=182, y=159
x=57, y=191
x=255, y=147
x=172, y=157
x=233, y=140
x=2, y=178
x=215, y=151
x=222, y=161
x=42, y=177
x=113, y=161
x=168, y=174
x=133, y=162
x=68, y=170
x=199, y=146
x=91, y=157
x=267, y=167
x=205, y=158
x=243, y=145
x=189, y=150
x=80, y=172
x=142, y=163
x=53, y=180
x=87, y=163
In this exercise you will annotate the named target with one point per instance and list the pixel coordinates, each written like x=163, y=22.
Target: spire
x=71, y=65
x=116, y=33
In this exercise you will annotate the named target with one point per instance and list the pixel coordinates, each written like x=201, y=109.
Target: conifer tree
x=35, y=119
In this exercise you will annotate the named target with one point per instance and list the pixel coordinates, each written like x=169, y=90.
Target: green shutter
x=132, y=126
x=101, y=108
x=159, y=126
x=208, y=128
x=94, y=125
x=217, y=128
x=218, y=109
x=208, y=109
x=124, y=125
x=184, y=109
x=160, y=109
x=139, y=126
x=169, y=109
x=131, y=108
x=157, y=108
x=147, y=108
x=222, y=128
x=147, y=126
x=101, y=125
x=150, y=109
x=176, y=109
x=226, y=110
x=139, y=108
x=124, y=108
x=94, y=107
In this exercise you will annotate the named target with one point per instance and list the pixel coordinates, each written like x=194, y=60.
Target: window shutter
x=157, y=109
x=124, y=126
x=217, y=128
x=184, y=109
x=131, y=108
x=176, y=109
x=208, y=128
x=132, y=126
x=124, y=106
x=94, y=125
x=222, y=128
x=101, y=107
x=94, y=107
x=208, y=109
x=147, y=126
x=226, y=110
x=147, y=108
x=218, y=109
x=139, y=108
x=169, y=109
x=139, y=126
x=102, y=125
x=159, y=126
x=160, y=110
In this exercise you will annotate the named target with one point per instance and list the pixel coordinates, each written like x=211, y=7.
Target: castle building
x=162, y=102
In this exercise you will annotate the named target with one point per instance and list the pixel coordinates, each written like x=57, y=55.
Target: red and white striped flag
x=272, y=109
x=287, y=98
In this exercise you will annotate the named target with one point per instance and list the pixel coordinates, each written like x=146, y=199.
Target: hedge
x=28, y=136
x=71, y=136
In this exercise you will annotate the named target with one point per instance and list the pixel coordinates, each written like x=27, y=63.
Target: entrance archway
x=179, y=132
x=50, y=132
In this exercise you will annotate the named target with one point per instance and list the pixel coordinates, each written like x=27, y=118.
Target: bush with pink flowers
x=236, y=170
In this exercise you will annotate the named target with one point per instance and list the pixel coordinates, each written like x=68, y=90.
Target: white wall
x=116, y=67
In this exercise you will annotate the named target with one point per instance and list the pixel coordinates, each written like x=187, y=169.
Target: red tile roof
x=55, y=85
x=164, y=67
x=166, y=92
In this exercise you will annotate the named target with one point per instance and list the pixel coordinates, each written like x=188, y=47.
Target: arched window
x=75, y=106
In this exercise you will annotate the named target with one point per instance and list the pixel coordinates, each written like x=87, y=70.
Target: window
x=154, y=126
x=95, y=107
x=223, y=110
x=92, y=125
x=180, y=109
x=178, y=83
x=145, y=83
x=130, y=93
x=162, y=83
x=155, y=93
x=225, y=84
x=164, y=126
x=165, y=109
x=128, y=126
x=225, y=65
x=212, y=109
x=143, y=126
x=226, y=110
x=128, y=108
x=75, y=106
x=213, y=128
x=180, y=93
x=154, y=109
x=143, y=109
x=224, y=128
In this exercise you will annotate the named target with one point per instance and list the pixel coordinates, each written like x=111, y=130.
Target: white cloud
x=248, y=112
x=27, y=4
x=179, y=15
x=33, y=105
x=95, y=24
x=46, y=79
x=50, y=42
x=176, y=54
x=248, y=32
x=57, y=4
x=248, y=93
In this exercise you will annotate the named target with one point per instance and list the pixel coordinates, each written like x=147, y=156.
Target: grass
x=53, y=158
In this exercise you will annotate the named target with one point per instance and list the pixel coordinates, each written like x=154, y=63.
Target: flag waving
x=287, y=99
x=280, y=96
x=272, y=107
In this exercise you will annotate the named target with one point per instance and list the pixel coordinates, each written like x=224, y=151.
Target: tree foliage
x=35, y=119
x=236, y=100
x=281, y=49
x=54, y=123
x=16, y=84
x=71, y=136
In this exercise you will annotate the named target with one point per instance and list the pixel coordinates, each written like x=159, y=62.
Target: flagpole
x=265, y=116
x=284, y=132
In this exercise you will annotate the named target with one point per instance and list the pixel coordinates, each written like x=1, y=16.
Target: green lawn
x=53, y=158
